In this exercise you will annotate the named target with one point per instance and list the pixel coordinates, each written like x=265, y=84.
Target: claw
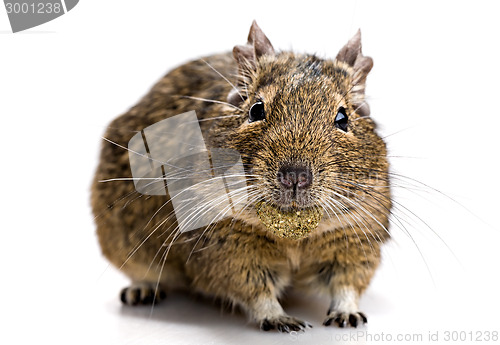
x=284, y=324
x=343, y=320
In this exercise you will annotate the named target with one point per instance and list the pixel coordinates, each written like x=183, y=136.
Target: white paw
x=345, y=319
x=285, y=324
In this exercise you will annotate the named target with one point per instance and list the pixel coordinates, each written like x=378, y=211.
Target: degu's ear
x=351, y=55
x=247, y=56
x=258, y=44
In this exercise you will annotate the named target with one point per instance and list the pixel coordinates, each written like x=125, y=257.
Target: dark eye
x=256, y=112
x=341, y=119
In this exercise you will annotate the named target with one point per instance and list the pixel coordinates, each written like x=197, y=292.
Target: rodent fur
x=240, y=260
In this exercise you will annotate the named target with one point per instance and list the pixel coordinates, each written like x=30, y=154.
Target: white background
x=433, y=90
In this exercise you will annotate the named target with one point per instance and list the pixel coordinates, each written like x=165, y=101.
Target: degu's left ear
x=247, y=56
x=351, y=55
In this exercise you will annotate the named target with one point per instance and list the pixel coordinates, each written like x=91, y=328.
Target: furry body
x=238, y=259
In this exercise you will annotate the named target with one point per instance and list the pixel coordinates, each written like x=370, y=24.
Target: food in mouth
x=294, y=224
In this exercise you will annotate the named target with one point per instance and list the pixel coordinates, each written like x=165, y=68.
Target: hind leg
x=151, y=287
x=142, y=293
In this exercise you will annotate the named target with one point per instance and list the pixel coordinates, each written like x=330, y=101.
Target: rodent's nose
x=291, y=177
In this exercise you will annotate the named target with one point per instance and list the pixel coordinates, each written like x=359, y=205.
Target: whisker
x=223, y=77
x=211, y=101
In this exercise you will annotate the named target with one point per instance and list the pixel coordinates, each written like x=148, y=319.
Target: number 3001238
x=41, y=7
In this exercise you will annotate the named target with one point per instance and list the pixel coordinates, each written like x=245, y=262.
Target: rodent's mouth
x=287, y=205
x=292, y=200
x=293, y=207
x=293, y=223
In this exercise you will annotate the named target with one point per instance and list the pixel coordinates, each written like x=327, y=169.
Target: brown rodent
x=307, y=142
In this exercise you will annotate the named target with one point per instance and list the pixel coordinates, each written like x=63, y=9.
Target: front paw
x=345, y=319
x=285, y=324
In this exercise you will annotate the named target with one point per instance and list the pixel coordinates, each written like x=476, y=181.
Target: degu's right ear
x=247, y=56
x=258, y=44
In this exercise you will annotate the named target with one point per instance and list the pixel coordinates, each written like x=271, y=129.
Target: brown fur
x=238, y=259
